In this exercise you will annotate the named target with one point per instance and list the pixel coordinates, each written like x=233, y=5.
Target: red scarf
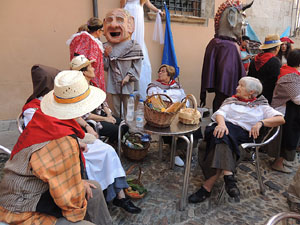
x=168, y=84
x=44, y=128
x=35, y=103
x=261, y=59
x=285, y=69
x=244, y=100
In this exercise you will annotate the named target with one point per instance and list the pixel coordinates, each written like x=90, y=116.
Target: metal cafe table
x=176, y=130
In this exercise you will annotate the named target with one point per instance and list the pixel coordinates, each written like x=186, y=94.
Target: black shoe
x=126, y=204
x=199, y=196
x=230, y=186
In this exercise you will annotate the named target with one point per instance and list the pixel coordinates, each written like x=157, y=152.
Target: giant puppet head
x=118, y=26
x=230, y=18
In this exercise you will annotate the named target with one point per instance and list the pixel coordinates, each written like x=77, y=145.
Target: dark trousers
x=111, y=130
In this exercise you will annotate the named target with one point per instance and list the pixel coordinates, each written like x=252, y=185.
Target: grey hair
x=252, y=84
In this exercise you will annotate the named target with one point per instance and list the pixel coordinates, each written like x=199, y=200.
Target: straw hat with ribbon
x=80, y=62
x=271, y=41
x=72, y=97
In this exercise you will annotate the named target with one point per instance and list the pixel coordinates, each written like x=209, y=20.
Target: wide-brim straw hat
x=271, y=41
x=79, y=62
x=72, y=97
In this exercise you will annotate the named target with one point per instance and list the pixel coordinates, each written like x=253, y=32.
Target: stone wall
x=270, y=16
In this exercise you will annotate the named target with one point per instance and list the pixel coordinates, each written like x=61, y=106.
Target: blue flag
x=169, y=55
x=286, y=33
x=251, y=34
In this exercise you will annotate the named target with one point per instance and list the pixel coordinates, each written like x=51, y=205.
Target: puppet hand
x=107, y=50
x=83, y=147
x=125, y=80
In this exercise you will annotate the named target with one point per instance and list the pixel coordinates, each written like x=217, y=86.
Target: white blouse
x=244, y=116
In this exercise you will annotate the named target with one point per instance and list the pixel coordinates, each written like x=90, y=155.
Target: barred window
x=181, y=7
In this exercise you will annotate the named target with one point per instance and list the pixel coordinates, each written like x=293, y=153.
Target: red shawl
x=285, y=69
x=83, y=44
x=35, y=103
x=44, y=128
x=261, y=59
x=168, y=84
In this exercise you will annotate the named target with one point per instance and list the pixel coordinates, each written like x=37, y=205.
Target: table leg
x=173, y=151
x=160, y=146
x=187, y=170
x=120, y=136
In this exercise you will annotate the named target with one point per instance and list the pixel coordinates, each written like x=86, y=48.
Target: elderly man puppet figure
x=123, y=57
x=222, y=66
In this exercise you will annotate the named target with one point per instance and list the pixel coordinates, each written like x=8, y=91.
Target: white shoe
x=179, y=161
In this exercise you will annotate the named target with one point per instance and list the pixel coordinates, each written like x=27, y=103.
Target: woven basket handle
x=161, y=94
x=131, y=168
x=193, y=100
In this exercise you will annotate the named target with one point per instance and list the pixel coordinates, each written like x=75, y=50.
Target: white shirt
x=244, y=116
x=175, y=94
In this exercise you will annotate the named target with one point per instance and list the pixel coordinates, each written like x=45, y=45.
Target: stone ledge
x=181, y=18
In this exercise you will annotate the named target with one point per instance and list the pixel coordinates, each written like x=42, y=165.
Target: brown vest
x=18, y=183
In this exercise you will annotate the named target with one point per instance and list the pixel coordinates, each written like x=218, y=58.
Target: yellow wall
x=35, y=31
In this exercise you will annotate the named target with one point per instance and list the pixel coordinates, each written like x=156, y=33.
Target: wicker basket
x=159, y=119
x=135, y=181
x=190, y=116
x=135, y=154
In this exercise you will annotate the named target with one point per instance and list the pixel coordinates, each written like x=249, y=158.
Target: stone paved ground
x=160, y=205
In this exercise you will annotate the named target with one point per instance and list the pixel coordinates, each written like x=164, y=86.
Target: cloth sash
x=44, y=128
x=252, y=103
x=127, y=50
x=261, y=59
x=285, y=69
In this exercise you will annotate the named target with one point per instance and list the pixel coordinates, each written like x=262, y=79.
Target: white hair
x=252, y=84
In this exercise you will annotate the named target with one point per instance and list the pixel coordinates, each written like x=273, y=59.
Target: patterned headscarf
x=229, y=3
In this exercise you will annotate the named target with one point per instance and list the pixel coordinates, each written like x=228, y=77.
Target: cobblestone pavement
x=160, y=205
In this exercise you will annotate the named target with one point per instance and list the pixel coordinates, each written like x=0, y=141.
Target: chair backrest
x=6, y=150
x=280, y=217
x=20, y=122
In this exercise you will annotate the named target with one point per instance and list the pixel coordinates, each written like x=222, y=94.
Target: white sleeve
x=221, y=111
x=270, y=112
x=296, y=100
x=27, y=115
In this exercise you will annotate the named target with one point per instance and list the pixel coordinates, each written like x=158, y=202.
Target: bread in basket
x=189, y=115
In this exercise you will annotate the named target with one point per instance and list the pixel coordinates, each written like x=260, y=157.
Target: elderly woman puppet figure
x=123, y=57
x=238, y=120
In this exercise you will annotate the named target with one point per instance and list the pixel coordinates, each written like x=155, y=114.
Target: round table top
x=176, y=128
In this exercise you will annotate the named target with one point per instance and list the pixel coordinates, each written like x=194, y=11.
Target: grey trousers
x=97, y=212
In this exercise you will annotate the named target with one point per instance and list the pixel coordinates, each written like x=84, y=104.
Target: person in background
x=245, y=53
x=166, y=84
x=238, y=120
x=86, y=42
x=286, y=99
x=285, y=49
x=135, y=8
x=266, y=66
x=47, y=164
x=107, y=124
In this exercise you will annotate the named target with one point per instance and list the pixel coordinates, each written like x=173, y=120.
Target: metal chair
x=283, y=217
x=253, y=148
x=20, y=122
x=92, y=123
x=6, y=150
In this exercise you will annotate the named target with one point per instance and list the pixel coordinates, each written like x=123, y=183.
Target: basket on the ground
x=156, y=118
x=136, y=189
x=135, y=153
x=190, y=116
